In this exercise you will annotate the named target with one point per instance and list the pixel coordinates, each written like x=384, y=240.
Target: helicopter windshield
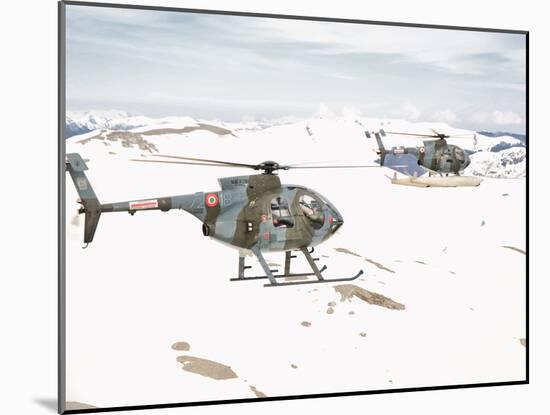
x=312, y=209
x=281, y=213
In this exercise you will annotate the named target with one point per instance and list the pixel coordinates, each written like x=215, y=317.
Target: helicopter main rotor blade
x=437, y=135
x=305, y=163
x=183, y=162
x=415, y=135
x=328, y=167
x=462, y=136
x=218, y=162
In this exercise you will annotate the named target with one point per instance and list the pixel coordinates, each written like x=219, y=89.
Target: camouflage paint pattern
x=254, y=212
x=436, y=155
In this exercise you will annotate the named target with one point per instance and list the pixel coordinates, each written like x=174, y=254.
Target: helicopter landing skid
x=287, y=274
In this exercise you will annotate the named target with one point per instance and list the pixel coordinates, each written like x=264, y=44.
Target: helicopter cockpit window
x=281, y=213
x=312, y=210
x=459, y=154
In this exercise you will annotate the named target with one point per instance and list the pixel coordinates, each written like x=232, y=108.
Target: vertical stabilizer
x=87, y=198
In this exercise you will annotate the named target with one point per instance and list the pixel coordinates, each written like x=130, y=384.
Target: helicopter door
x=280, y=213
x=278, y=224
x=313, y=211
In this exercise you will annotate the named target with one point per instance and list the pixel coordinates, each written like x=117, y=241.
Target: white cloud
x=497, y=117
x=410, y=112
x=505, y=118
x=343, y=76
x=324, y=111
x=443, y=49
x=446, y=116
x=351, y=112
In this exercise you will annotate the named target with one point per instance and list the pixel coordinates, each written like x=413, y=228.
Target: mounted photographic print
x=258, y=207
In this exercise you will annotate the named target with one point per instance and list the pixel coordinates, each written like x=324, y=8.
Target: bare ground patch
x=379, y=265
x=127, y=139
x=258, y=393
x=347, y=251
x=207, y=368
x=348, y=291
x=181, y=346
x=201, y=126
x=296, y=278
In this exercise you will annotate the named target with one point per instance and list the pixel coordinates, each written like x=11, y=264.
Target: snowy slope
x=450, y=256
x=491, y=158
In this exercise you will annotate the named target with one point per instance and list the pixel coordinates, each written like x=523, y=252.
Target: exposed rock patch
x=306, y=323
x=523, y=342
x=293, y=366
x=348, y=291
x=330, y=310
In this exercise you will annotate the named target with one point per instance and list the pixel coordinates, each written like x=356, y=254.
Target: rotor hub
x=269, y=167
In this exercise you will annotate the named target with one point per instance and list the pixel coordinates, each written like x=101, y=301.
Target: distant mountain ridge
x=492, y=155
x=520, y=137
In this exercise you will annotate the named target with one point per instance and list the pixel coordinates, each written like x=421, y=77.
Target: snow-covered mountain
x=81, y=122
x=492, y=156
x=420, y=248
x=509, y=163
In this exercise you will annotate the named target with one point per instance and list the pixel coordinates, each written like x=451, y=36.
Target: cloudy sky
x=240, y=68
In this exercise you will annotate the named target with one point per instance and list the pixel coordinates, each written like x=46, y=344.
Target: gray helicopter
x=254, y=213
x=436, y=156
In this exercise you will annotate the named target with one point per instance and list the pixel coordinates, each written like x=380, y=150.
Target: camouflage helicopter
x=436, y=156
x=254, y=213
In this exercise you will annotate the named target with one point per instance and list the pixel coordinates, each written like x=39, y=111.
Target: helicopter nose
x=336, y=221
x=466, y=162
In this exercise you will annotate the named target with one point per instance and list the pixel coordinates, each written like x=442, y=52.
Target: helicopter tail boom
x=198, y=204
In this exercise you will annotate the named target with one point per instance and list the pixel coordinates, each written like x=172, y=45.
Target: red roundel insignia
x=211, y=200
